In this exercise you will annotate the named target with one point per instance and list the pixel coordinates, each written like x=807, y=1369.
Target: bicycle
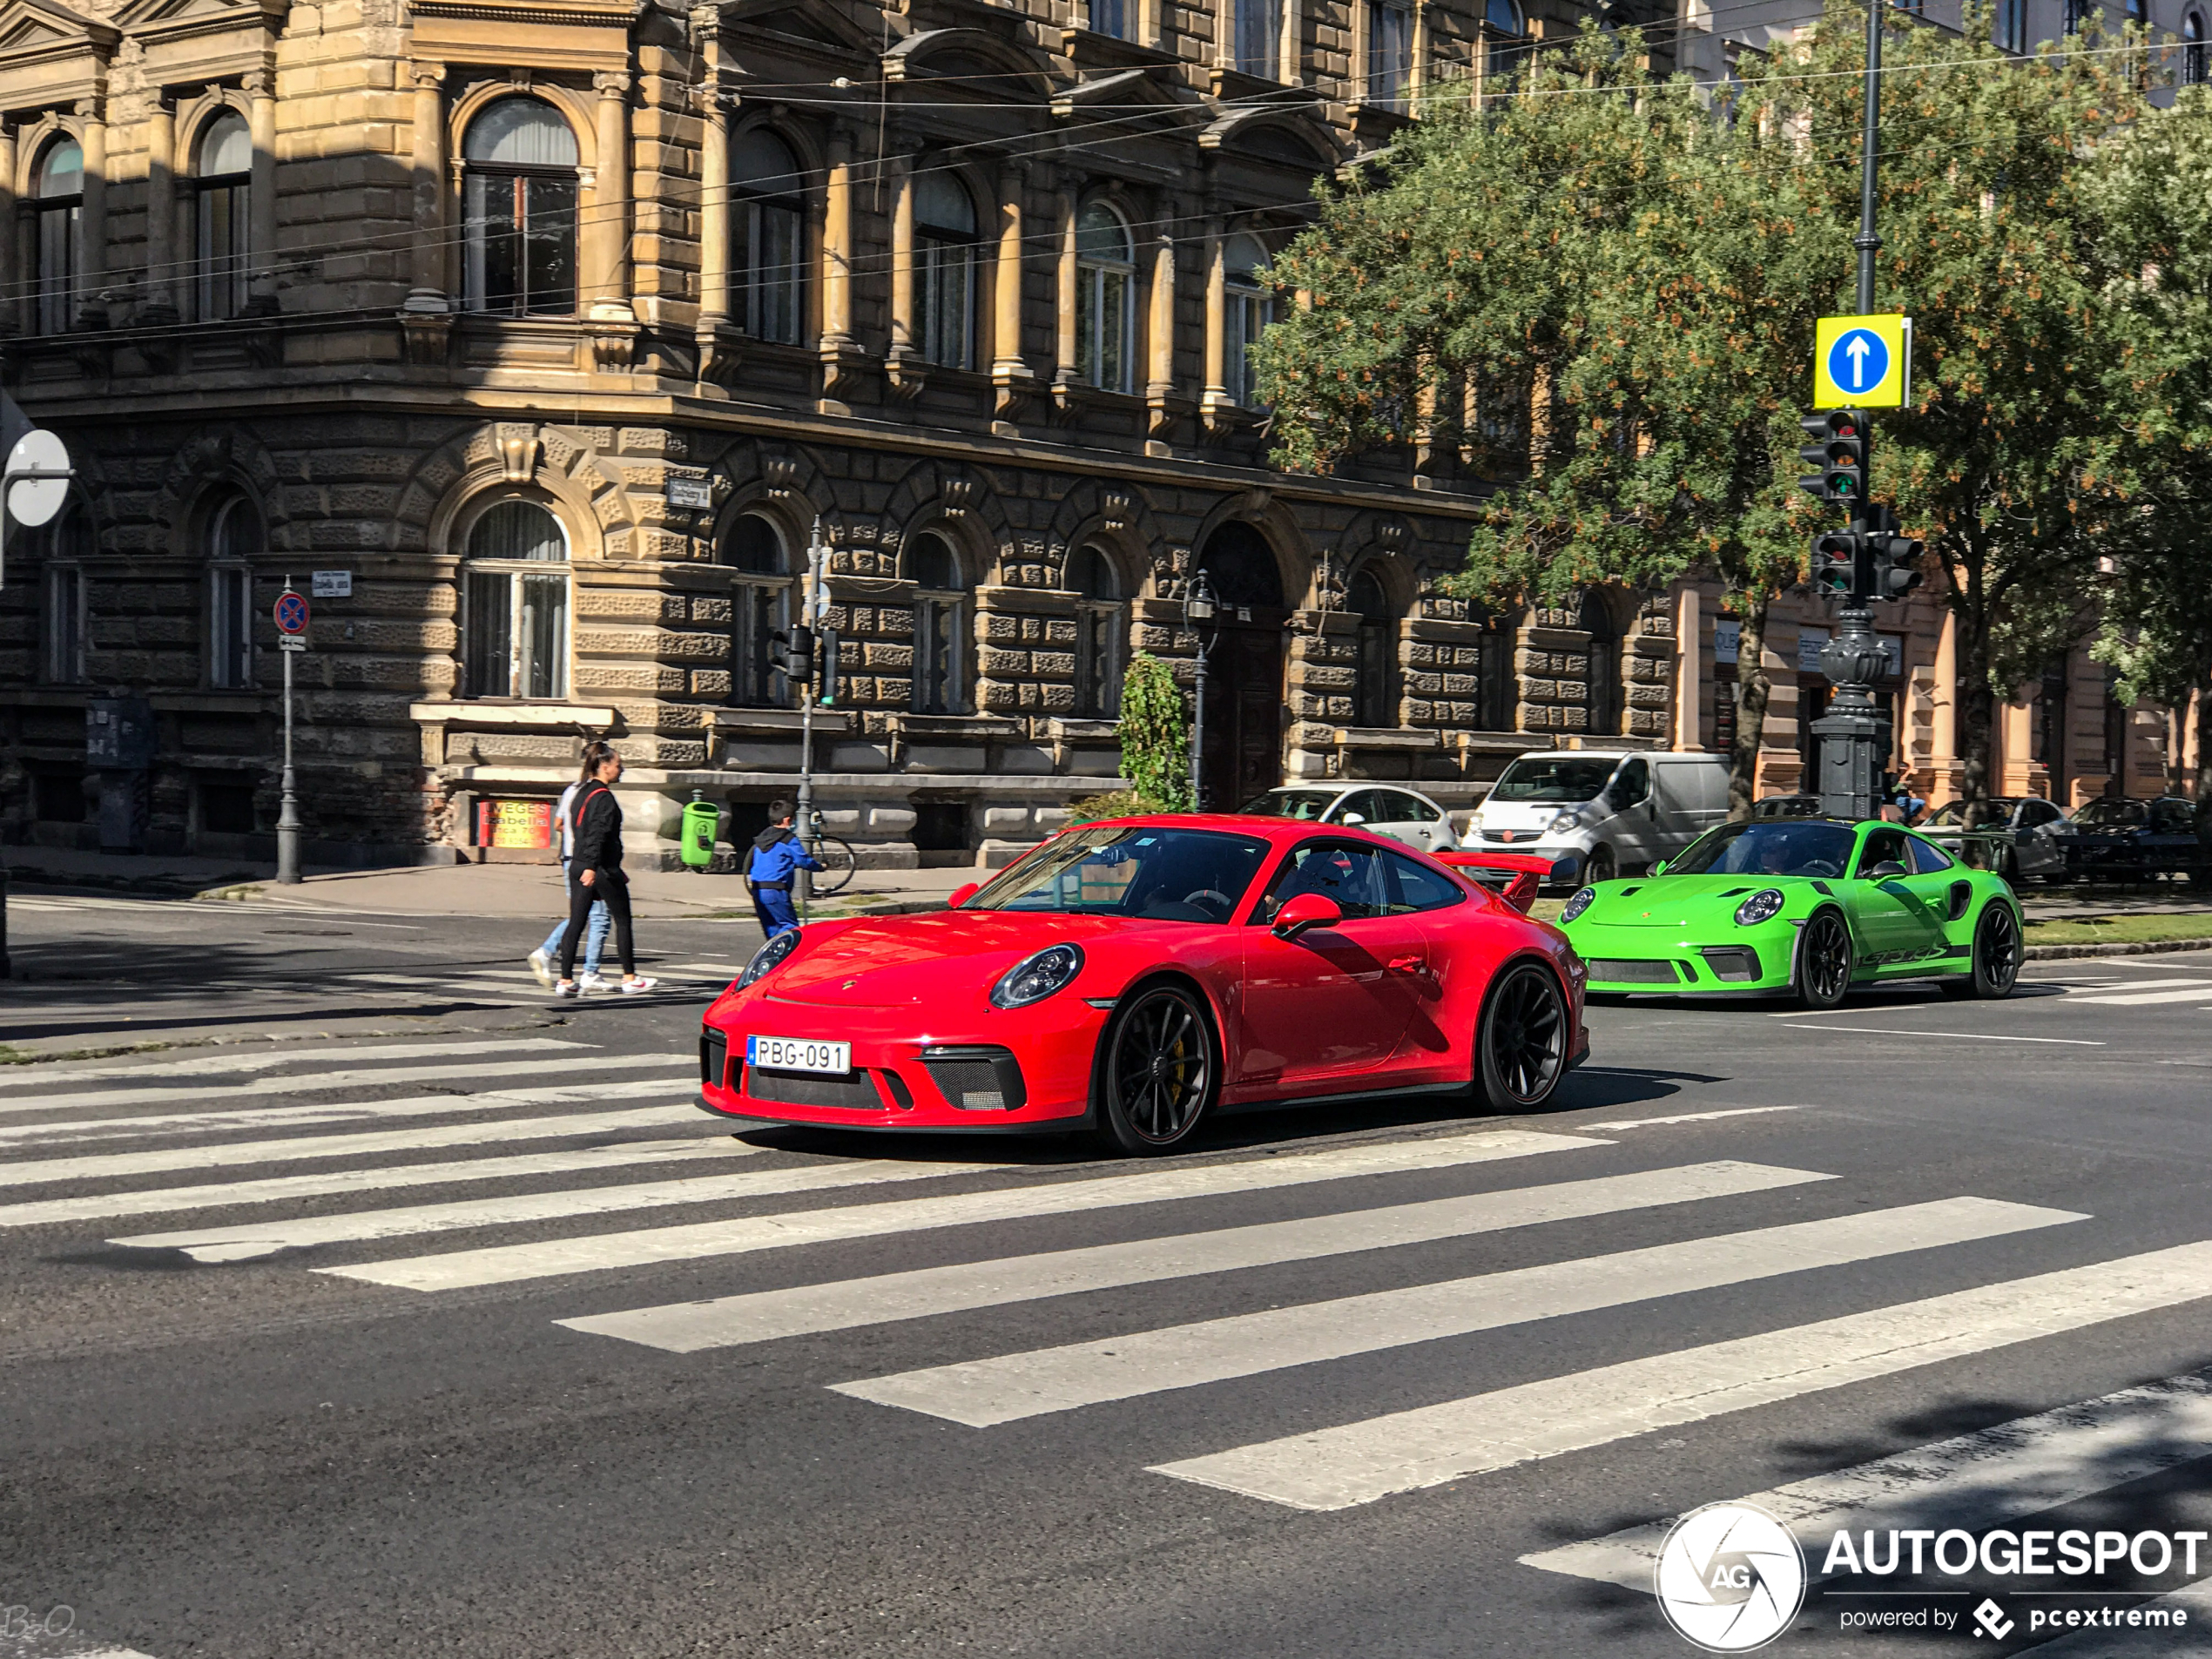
x=834, y=856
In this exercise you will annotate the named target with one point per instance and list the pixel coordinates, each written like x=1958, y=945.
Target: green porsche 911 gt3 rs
x=1807, y=906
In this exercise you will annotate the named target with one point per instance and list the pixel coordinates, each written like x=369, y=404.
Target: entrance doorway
x=1243, y=747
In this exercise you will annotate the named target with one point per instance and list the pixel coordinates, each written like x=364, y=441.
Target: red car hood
x=942, y=958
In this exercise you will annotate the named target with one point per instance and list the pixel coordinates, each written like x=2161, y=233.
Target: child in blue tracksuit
x=776, y=855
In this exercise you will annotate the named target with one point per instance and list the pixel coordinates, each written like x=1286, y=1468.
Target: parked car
x=1386, y=809
x=2133, y=840
x=1786, y=806
x=2018, y=836
x=1599, y=815
x=1132, y=975
x=1808, y=906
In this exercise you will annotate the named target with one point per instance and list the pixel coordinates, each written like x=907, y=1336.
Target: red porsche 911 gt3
x=1132, y=975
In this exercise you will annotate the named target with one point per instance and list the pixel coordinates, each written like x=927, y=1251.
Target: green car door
x=1894, y=923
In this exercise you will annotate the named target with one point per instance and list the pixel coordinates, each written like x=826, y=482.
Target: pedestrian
x=595, y=870
x=595, y=939
x=775, y=855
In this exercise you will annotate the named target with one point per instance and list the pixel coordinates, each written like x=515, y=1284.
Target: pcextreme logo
x=1729, y=1577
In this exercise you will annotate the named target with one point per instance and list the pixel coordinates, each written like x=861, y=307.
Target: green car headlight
x=1578, y=904
x=1763, y=906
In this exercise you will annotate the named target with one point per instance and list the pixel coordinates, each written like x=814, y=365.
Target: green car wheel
x=1823, y=960
x=1997, y=956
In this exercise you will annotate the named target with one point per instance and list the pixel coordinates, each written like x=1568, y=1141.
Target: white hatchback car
x=1383, y=809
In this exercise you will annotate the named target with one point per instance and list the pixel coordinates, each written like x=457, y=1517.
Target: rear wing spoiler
x=1529, y=872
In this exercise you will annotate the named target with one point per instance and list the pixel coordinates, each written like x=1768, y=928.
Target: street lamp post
x=1199, y=611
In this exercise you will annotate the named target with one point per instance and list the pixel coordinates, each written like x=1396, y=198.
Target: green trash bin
x=702, y=827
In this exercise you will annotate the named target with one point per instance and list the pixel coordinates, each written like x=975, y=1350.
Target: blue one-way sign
x=1858, y=362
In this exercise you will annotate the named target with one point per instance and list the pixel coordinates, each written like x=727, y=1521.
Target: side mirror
x=1352, y=818
x=1883, y=871
x=961, y=894
x=1305, y=911
x=1659, y=868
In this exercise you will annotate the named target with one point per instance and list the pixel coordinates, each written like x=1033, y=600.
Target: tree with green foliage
x=1155, y=732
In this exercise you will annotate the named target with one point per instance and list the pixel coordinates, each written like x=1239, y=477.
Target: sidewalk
x=503, y=890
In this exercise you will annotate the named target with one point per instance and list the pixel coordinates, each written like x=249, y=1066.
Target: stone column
x=261, y=196
x=1066, y=348
x=1689, y=709
x=902, y=363
x=1006, y=314
x=159, y=304
x=10, y=235
x=90, y=301
x=714, y=211
x=1943, y=734
x=1213, y=401
x=836, y=245
x=608, y=281
x=427, y=291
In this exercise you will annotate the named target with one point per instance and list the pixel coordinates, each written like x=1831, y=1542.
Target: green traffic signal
x=1835, y=558
x=1839, y=451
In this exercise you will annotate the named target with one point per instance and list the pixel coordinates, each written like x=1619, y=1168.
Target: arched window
x=1374, y=696
x=518, y=210
x=945, y=254
x=1100, y=634
x=943, y=632
x=1111, y=17
x=64, y=543
x=1602, y=686
x=232, y=538
x=61, y=206
x=221, y=169
x=1390, y=55
x=515, y=628
x=2010, y=27
x=1250, y=307
x=1105, y=298
x=1259, y=28
x=760, y=609
x=770, y=221
x=1506, y=47
x=1494, y=684
x=2193, y=64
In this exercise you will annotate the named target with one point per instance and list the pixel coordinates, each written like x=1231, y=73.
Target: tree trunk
x=1750, y=707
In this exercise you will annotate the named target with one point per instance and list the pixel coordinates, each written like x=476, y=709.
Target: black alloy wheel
x=1521, y=1043
x=1996, y=957
x=1159, y=1071
x=1602, y=864
x=1824, y=962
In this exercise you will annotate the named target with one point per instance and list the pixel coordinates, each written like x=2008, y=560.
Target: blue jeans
x=771, y=906
x=594, y=936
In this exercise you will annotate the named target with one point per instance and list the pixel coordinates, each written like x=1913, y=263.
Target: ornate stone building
x=553, y=331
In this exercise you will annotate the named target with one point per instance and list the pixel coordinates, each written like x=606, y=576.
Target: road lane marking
x=266, y=1238
x=985, y=1391
x=1960, y=1036
x=269, y=1058
x=97, y=1166
x=168, y=1092
x=101, y=1206
x=37, y=1137
x=1684, y=1118
x=509, y=1263
x=1361, y=1462
x=2020, y=1468
x=2134, y=999
x=730, y=1321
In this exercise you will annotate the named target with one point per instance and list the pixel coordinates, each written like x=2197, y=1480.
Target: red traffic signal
x=1835, y=562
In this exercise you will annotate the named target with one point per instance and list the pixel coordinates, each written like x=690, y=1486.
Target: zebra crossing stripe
x=688, y=1327
x=507, y=1265
x=266, y=1238
x=986, y=1391
x=2020, y=1467
x=209, y=1121
x=295, y=1149
x=1360, y=1462
x=2133, y=998
x=102, y=1206
x=164, y=1092
x=268, y=1057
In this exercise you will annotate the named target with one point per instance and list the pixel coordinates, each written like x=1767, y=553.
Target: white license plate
x=798, y=1054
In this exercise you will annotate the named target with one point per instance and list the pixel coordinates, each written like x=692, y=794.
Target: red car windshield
x=1141, y=870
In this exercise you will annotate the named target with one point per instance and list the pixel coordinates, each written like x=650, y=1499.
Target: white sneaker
x=566, y=988
x=637, y=987
x=594, y=982
x=543, y=968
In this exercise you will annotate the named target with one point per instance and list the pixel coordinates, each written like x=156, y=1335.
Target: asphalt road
x=283, y=1369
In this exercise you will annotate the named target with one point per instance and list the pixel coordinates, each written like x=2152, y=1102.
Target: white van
x=1599, y=815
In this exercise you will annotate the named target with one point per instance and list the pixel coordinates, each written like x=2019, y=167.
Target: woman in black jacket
x=595, y=871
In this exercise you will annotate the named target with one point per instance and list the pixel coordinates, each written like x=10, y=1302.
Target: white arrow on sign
x=1859, y=351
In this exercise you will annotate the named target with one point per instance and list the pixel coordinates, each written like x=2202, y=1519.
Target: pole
x=1850, y=768
x=6, y=970
x=800, y=887
x=288, y=812
x=1198, y=738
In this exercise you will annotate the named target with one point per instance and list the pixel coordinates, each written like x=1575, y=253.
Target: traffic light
x=1835, y=562
x=799, y=656
x=1838, y=451
x=1897, y=558
x=830, y=654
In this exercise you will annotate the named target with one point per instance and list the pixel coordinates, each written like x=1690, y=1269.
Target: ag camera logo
x=1729, y=1577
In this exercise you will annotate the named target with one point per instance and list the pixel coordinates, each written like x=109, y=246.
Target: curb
x=2138, y=948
